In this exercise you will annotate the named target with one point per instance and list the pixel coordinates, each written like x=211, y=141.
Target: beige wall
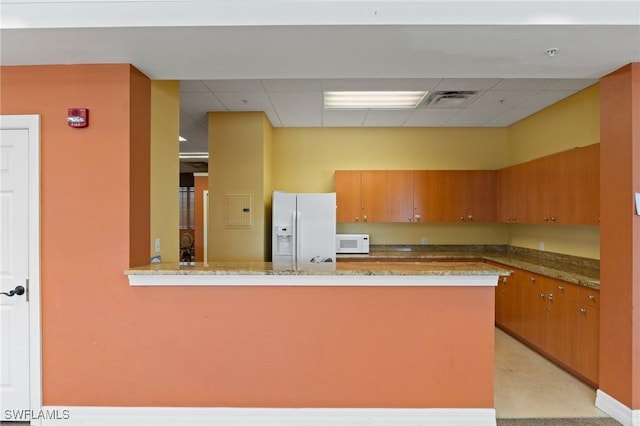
x=236, y=166
x=165, y=168
x=569, y=123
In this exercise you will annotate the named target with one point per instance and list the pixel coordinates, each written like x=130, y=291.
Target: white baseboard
x=187, y=416
x=617, y=410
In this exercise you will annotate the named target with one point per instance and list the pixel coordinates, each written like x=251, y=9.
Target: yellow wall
x=572, y=122
x=165, y=168
x=304, y=160
x=236, y=166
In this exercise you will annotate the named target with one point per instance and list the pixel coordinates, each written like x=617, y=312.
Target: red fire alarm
x=78, y=117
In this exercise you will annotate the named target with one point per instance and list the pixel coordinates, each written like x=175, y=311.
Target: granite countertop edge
x=587, y=279
x=393, y=261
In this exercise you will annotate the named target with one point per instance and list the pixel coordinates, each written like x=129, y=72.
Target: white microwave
x=352, y=243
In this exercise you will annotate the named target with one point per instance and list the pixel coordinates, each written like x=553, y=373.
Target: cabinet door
x=448, y=190
x=517, y=193
x=587, y=188
x=425, y=196
x=588, y=360
x=480, y=196
x=504, y=198
x=348, y=187
x=564, y=187
x=534, y=309
x=374, y=196
x=508, y=303
x=400, y=196
x=562, y=339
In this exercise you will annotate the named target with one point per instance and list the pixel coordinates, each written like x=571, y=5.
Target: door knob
x=19, y=290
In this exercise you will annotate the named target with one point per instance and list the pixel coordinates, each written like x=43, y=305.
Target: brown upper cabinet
x=562, y=188
x=416, y=196
x=400, y=196
x=361, y=196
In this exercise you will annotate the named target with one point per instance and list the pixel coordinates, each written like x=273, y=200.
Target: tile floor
x=529, y=386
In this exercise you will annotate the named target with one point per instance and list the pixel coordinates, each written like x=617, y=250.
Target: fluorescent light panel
x=373, y=100
x=194, y=155
x=181, y=139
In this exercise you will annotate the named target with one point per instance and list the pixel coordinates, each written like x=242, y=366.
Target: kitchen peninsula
x=365, y=343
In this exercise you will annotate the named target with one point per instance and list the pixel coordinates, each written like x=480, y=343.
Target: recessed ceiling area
x=494, y=102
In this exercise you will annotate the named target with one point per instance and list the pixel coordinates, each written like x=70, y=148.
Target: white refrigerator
x=304, y=227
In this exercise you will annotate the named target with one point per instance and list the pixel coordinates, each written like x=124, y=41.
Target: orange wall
x=620, y=236
x=108, y=344
x=94, y=181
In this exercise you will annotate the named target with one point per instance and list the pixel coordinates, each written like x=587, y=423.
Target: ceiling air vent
x=449, y=99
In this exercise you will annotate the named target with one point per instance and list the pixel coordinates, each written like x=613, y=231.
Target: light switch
x=157, y=247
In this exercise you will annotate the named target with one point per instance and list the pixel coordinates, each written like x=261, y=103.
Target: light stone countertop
x=418, y=273
x=580, y=276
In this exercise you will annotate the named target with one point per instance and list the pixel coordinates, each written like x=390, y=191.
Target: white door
x=14, y=264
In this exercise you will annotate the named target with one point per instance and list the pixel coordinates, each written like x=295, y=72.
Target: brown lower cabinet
x=559, y=319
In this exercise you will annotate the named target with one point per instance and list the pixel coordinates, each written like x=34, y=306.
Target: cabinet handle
x=462, y=218
x=546, y=219
x=470, y=217
x=503, y=279
x=515, y=218
x=365, y=217
x=582, y=310
x=542, y=295
x=409, y=218
x=553, y=219
x=561, y=287
x=591, y=297
x=532, y=279
x=417, y=218
x=550, y=296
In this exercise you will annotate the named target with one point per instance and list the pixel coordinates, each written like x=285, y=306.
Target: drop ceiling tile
x=533, y=105
x=431, y=117
x=350, y=84
x=525, y=84
x=244, y=101
x=476, y=116
x=193, y=86
x=196, y=105
x=343, y=118
x=501, y=99
x=387, y=118
x=234, y=85
x=467, y=83
x=298, y=109
x=466, y=124
x=409, y=83
x=573, y=84
x=293, y=85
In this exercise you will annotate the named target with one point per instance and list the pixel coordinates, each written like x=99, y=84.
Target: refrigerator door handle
x=296, y=230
